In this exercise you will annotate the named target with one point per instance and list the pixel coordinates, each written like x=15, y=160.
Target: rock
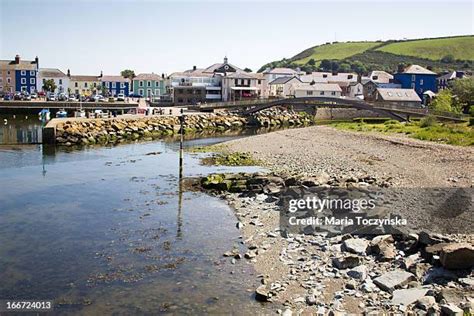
x=431, y=239
x=393, y=279
x=287, y=312
x=408, y=296
x=346, y=262
x=426, y=302
x=356, y=245
x=457, y=256
x=359, y=272
x=262, y=294
x=311, y=300
x=250, y=255
x=451, y=310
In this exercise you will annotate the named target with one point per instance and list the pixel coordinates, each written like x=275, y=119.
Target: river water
x=109, y=230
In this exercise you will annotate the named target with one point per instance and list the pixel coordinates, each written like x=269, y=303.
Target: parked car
x=134, y=95
x=51, y=97
x=62, y=97
x=121, y=97
x=8, y=97
x=99, y=98
x=25, y=96
x=81, y=98
x=34, y=95
x=111, y=99
x=72, y=98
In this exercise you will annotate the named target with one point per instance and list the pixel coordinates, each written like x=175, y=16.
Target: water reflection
x=20, y=129
x=112, y=230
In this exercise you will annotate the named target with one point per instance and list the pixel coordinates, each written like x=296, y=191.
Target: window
x=325, y=76
x=413, y=77
x=32, y=72
x=8, y=72
x=350, y=76
x=23, y=80
x=60, y=81
x=114, y=85
x=236, y=82
x=413, y=85
x=140, y=84
x=421, y=82
x=122, y=85
x=333, y=92
x=375, y=77
x=259, y=81
x=32, y=89
x=140, y=91
x=122, y=92
x=148, y=83
x=23, y=73
x=309, y=92
x=95, y=84
x=107, y=84
x=9, y=80
x=85, y=84
x=32, y=80
x=76, y=85
x=157, y=83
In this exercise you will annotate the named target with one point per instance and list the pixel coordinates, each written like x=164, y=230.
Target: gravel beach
x=408, y=162
x=316, y=274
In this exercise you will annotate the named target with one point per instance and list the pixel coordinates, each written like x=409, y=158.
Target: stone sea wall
x=117, y=130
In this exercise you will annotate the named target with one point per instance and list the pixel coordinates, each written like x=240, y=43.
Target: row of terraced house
x=226, y=82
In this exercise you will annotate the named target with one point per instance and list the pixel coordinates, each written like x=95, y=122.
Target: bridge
x=392, y=110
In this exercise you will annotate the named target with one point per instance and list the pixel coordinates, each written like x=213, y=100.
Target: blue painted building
x=417, y=78
x=116, y=85
x=19, y=75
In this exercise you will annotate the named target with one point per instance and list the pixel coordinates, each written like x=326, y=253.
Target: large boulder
x=457, y=256
x=393, y=280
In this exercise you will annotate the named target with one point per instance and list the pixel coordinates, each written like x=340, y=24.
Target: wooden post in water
x=180, y=184
x=181, y=150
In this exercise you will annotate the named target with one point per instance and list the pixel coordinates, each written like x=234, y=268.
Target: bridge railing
x=423, y=111
x=239, y=103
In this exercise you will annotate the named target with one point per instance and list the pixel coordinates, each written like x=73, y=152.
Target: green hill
x=334, y=51
x=446, y=53
x=460, y=47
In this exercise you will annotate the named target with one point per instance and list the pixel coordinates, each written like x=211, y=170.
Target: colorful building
x=115, y=85
x=84, y=85
x=149, y=85
x=61, y=80
x=418, y=78
x=19, y=75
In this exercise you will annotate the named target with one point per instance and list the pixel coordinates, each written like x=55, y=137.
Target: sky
x=89, y=36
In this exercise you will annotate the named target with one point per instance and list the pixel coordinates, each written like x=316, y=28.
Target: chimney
x=17, y=59
x=162, y=76
x=68, y=73
x=194, y=68
x=36, y=60
x=225, y=60
x=101, y=74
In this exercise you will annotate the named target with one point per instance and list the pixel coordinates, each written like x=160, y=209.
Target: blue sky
x=165, y=36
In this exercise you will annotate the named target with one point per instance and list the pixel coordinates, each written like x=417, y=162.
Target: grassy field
x=434, y=49
x=336, y=51
x=388, y=55
x=453, y=134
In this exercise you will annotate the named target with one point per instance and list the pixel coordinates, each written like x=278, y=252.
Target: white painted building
x=331, y=90
x=60, y=79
